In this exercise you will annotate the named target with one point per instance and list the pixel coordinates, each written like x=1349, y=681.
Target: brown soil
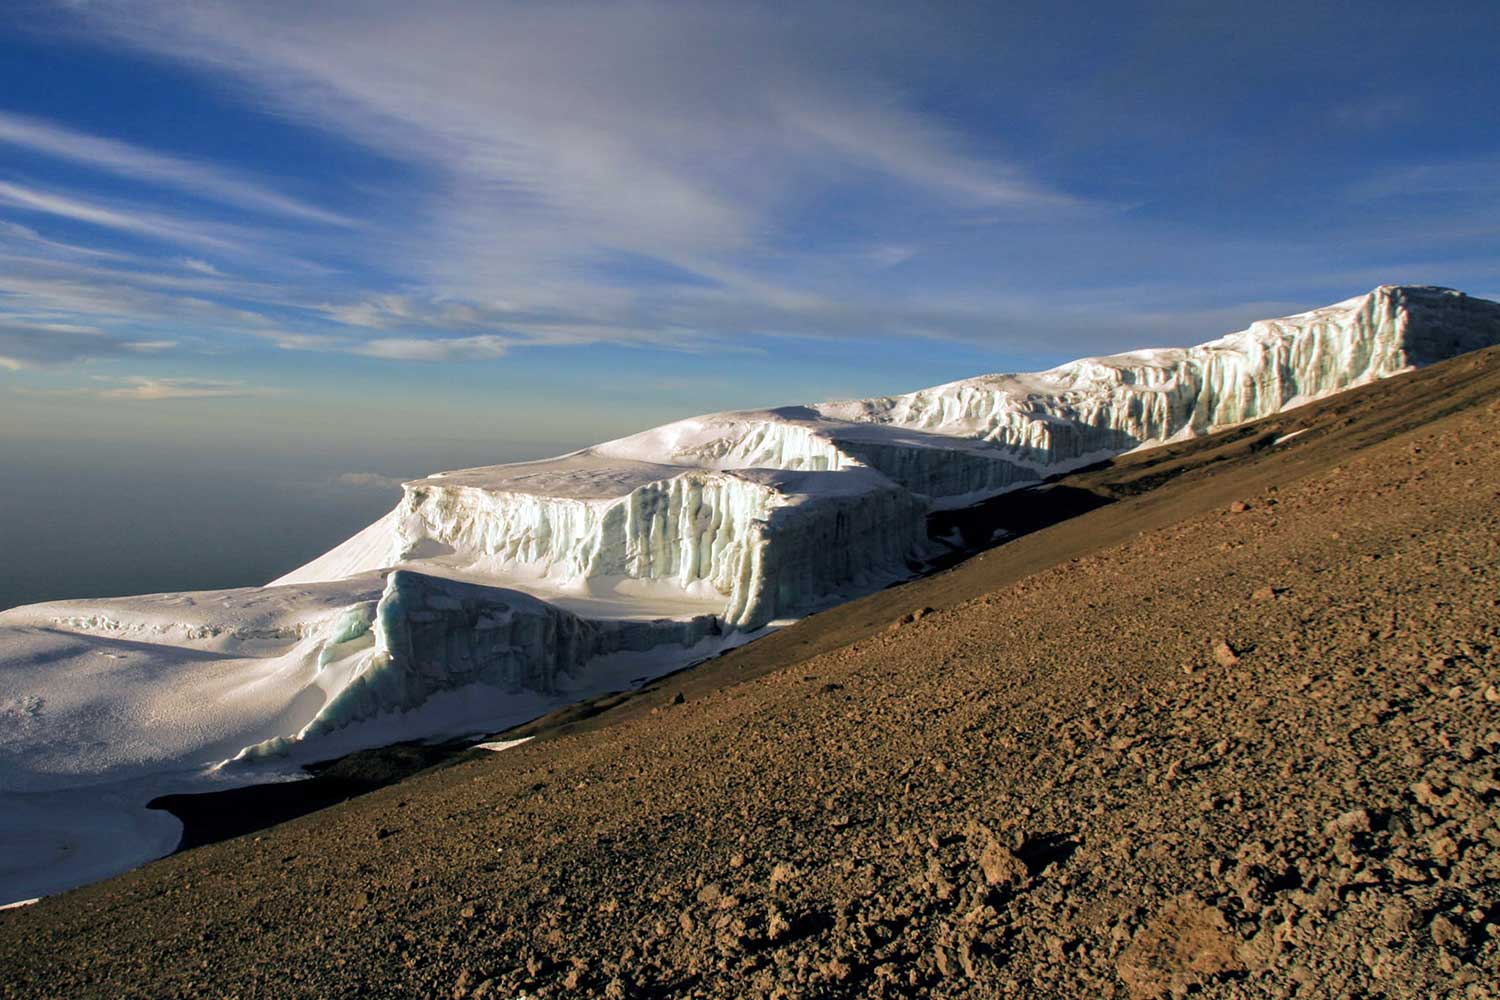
x=1233, y=732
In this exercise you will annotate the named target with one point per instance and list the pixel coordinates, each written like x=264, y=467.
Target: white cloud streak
x=79, y=210
x=27, y=343
x=15, y=233
x=482, y=347
x=785, y=172
x=131, y=161
x=201, y=267
x=145, y=388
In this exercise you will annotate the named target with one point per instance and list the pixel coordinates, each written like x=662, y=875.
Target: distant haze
x=110, y=522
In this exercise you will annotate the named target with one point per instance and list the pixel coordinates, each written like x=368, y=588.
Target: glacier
x=107, y=704
x=742, y=508
x=491, y=595
x=427, y=634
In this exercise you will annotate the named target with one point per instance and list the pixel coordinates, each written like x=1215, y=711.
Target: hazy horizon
x=109, y=521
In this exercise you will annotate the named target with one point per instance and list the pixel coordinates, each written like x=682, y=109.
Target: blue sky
x=498, y=208
x=380, y=237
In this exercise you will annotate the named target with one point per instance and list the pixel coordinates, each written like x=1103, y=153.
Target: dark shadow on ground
x=1010, y=515
x=209, y=817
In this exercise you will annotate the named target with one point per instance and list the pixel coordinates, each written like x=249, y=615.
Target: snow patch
x=497, y=746
x=1287, y=437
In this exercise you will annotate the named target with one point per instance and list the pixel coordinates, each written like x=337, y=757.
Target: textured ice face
x=688, y=526
x=769, y=542
x=1116, y=403
x=432, y=635
x=690, y=505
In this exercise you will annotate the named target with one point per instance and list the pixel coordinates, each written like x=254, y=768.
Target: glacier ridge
x=1122, y=401
x=692, y=505
x=764, y=541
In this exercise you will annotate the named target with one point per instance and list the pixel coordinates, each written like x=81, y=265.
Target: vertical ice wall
x=847, y=531
x=1110, y=404
x=432, y=635
x=768, y=543
x=686, y=504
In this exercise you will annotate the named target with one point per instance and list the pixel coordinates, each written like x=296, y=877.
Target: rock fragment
x=1187, y=944
x=1448, y=933
x=1353, y=821
x=1000, y=865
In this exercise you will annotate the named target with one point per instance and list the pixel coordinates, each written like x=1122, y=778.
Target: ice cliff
x=1122, y=401
x=765, y=542
x=770, y=511
x=431, y=635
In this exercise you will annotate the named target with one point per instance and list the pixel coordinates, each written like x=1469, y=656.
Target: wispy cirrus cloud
x=476, y=348
x=691, y=178
x=17, y=234
x=551, y=138
x=200, y=267
x=154, y=168
x=41, y=342
x=146, y=388
x=1445, y=178
x=141, y=223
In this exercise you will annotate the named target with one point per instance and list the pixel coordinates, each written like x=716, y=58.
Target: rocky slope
x=1234, y=733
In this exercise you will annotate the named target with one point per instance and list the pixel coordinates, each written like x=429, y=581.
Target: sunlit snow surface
x=492, y=595
x=105, y=705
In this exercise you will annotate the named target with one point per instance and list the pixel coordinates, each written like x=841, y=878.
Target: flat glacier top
x=583, y=475
x=243, y=610
x=595, y=474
